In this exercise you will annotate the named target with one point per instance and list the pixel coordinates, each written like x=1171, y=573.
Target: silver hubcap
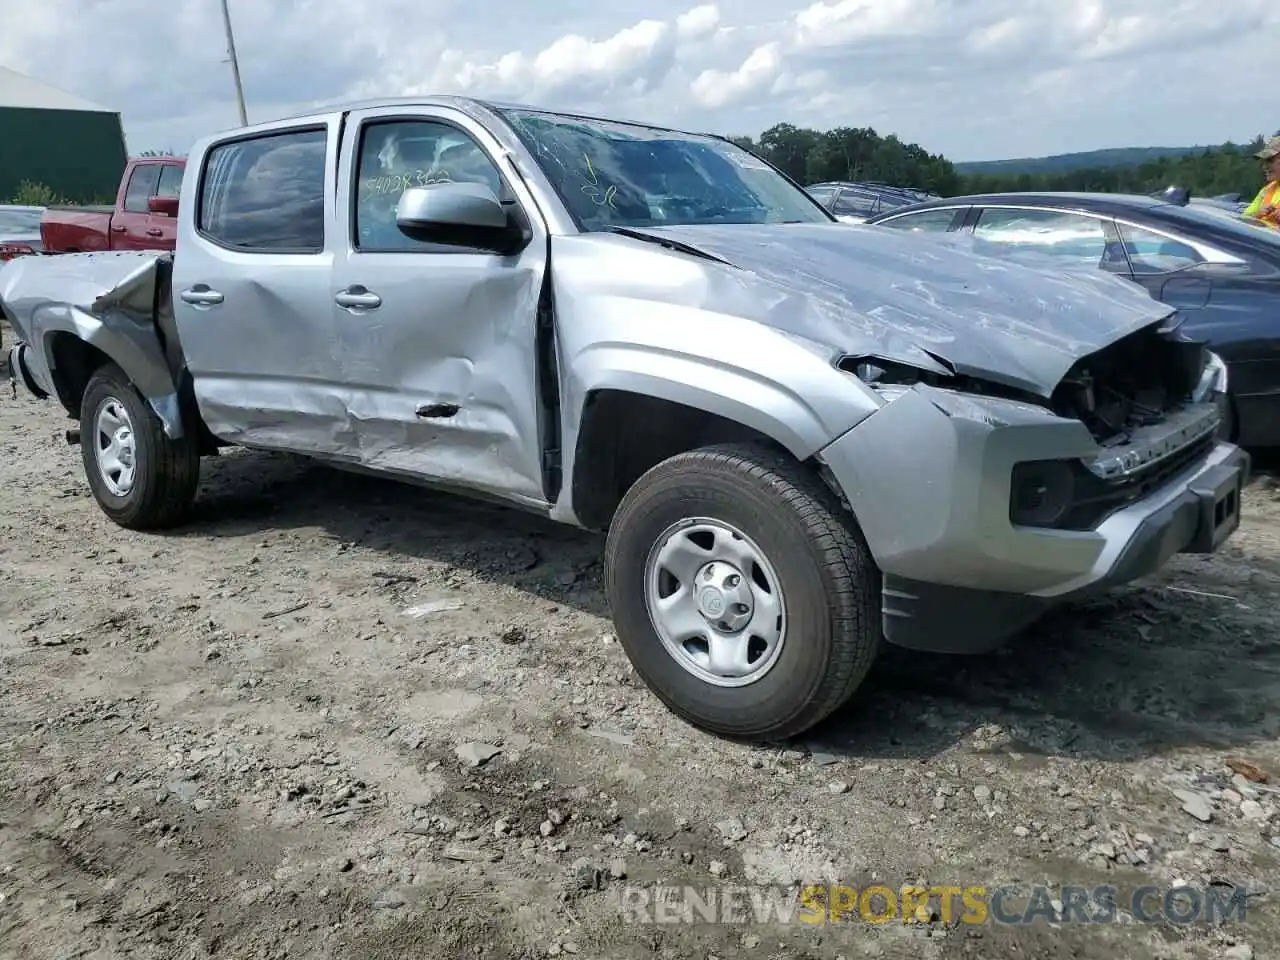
x=114, y=446
x=715, y=602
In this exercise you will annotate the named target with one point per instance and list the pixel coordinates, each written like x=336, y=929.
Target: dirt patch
x=340, y=717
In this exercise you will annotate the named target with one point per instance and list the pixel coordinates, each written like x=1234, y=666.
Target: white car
x=19, y=230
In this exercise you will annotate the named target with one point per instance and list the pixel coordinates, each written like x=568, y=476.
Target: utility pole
x=235, y=64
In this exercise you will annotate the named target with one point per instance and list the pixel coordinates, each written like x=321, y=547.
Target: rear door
x=251, y=288
x=1170, y=268
x=437, y=342
x=162, y=230
x=1227, y=302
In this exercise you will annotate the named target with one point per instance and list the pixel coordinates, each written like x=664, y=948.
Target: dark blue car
x=857, y=200
x=1221, y=272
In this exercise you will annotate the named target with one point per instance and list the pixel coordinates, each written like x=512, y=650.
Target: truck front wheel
x=142, y=479
x=741, y=590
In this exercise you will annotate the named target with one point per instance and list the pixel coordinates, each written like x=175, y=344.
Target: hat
x=1272, y=149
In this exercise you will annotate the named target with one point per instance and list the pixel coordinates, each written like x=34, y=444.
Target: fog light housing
x=1041, y=493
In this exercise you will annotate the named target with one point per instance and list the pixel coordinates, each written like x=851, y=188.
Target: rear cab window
x=265, y=193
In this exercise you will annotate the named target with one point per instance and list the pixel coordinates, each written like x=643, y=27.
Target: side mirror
x=165, y=206
x=459, y=214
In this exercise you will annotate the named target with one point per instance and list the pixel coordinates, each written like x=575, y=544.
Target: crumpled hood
x=876, y=292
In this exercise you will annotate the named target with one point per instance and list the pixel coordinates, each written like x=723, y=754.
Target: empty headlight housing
x=1213, y=378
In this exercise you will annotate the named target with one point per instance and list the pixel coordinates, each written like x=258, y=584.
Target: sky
x=971, y=79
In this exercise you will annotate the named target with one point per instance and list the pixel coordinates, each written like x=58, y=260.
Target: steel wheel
x=115, y=446
x=715, y=601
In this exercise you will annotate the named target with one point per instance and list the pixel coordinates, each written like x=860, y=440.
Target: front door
x=131, y=221
x=251, y=290
x=436, y=343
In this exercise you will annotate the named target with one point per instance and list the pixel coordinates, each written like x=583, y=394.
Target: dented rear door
x=436, y=344
x=251, y=290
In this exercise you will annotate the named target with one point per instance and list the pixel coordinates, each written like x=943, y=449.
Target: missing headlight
x=1213, y=378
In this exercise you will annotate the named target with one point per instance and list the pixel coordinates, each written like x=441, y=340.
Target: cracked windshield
x=624, y=175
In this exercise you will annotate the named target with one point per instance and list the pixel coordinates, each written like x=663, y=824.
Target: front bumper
x=928, y=479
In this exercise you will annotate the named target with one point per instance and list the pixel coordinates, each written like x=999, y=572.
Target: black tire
x=166, y=472
x=828, y=579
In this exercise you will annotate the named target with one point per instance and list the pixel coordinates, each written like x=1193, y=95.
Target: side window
x=1056, y=233
x=822, y=194
x=926, y=221
x=265, y=194
x=398, y=154
x=852, y=204
x=170, y=181
x=141, y=188
x=1153, y=253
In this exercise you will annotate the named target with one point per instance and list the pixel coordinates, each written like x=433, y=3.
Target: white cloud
x=853, y=21
x=1010, y=34
x=715, y=88
x=698, y=23
x=969, y=78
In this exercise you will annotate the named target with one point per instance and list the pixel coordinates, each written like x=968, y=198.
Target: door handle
x=357, y=298
x=153, y=232
x=117, y=228
x=201, y=297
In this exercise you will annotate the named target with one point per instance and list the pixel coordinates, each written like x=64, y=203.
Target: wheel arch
x=76, y=344
x=627, y=428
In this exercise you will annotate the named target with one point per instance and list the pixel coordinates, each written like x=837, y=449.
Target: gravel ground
x=340, y=717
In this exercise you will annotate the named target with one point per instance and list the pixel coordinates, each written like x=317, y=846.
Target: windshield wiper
x=667, y=242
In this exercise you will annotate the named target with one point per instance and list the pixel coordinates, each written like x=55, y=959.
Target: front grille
x=1096, y=499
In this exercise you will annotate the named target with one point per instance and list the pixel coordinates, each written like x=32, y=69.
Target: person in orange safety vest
x=1265, y=207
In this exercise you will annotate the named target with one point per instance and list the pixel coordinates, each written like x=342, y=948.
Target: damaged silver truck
x=803, y=439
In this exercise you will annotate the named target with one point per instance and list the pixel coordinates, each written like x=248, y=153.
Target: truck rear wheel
x=742, y=591
x=142, y=479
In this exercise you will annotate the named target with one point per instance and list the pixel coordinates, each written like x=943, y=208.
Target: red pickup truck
x=145, y=215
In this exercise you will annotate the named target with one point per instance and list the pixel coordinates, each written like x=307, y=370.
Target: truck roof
x=472, y=106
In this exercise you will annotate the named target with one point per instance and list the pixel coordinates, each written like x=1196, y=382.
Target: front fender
x=104, y=300
x=801, y=422
x=634, y=317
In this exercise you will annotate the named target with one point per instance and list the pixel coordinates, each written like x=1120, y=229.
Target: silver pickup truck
x=803, y=438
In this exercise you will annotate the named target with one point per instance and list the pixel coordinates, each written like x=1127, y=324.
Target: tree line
x=859, y=153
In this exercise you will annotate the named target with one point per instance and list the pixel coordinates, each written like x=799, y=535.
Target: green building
x=51, y=137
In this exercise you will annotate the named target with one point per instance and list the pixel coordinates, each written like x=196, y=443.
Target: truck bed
x=82, y=207
x=71, y=229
